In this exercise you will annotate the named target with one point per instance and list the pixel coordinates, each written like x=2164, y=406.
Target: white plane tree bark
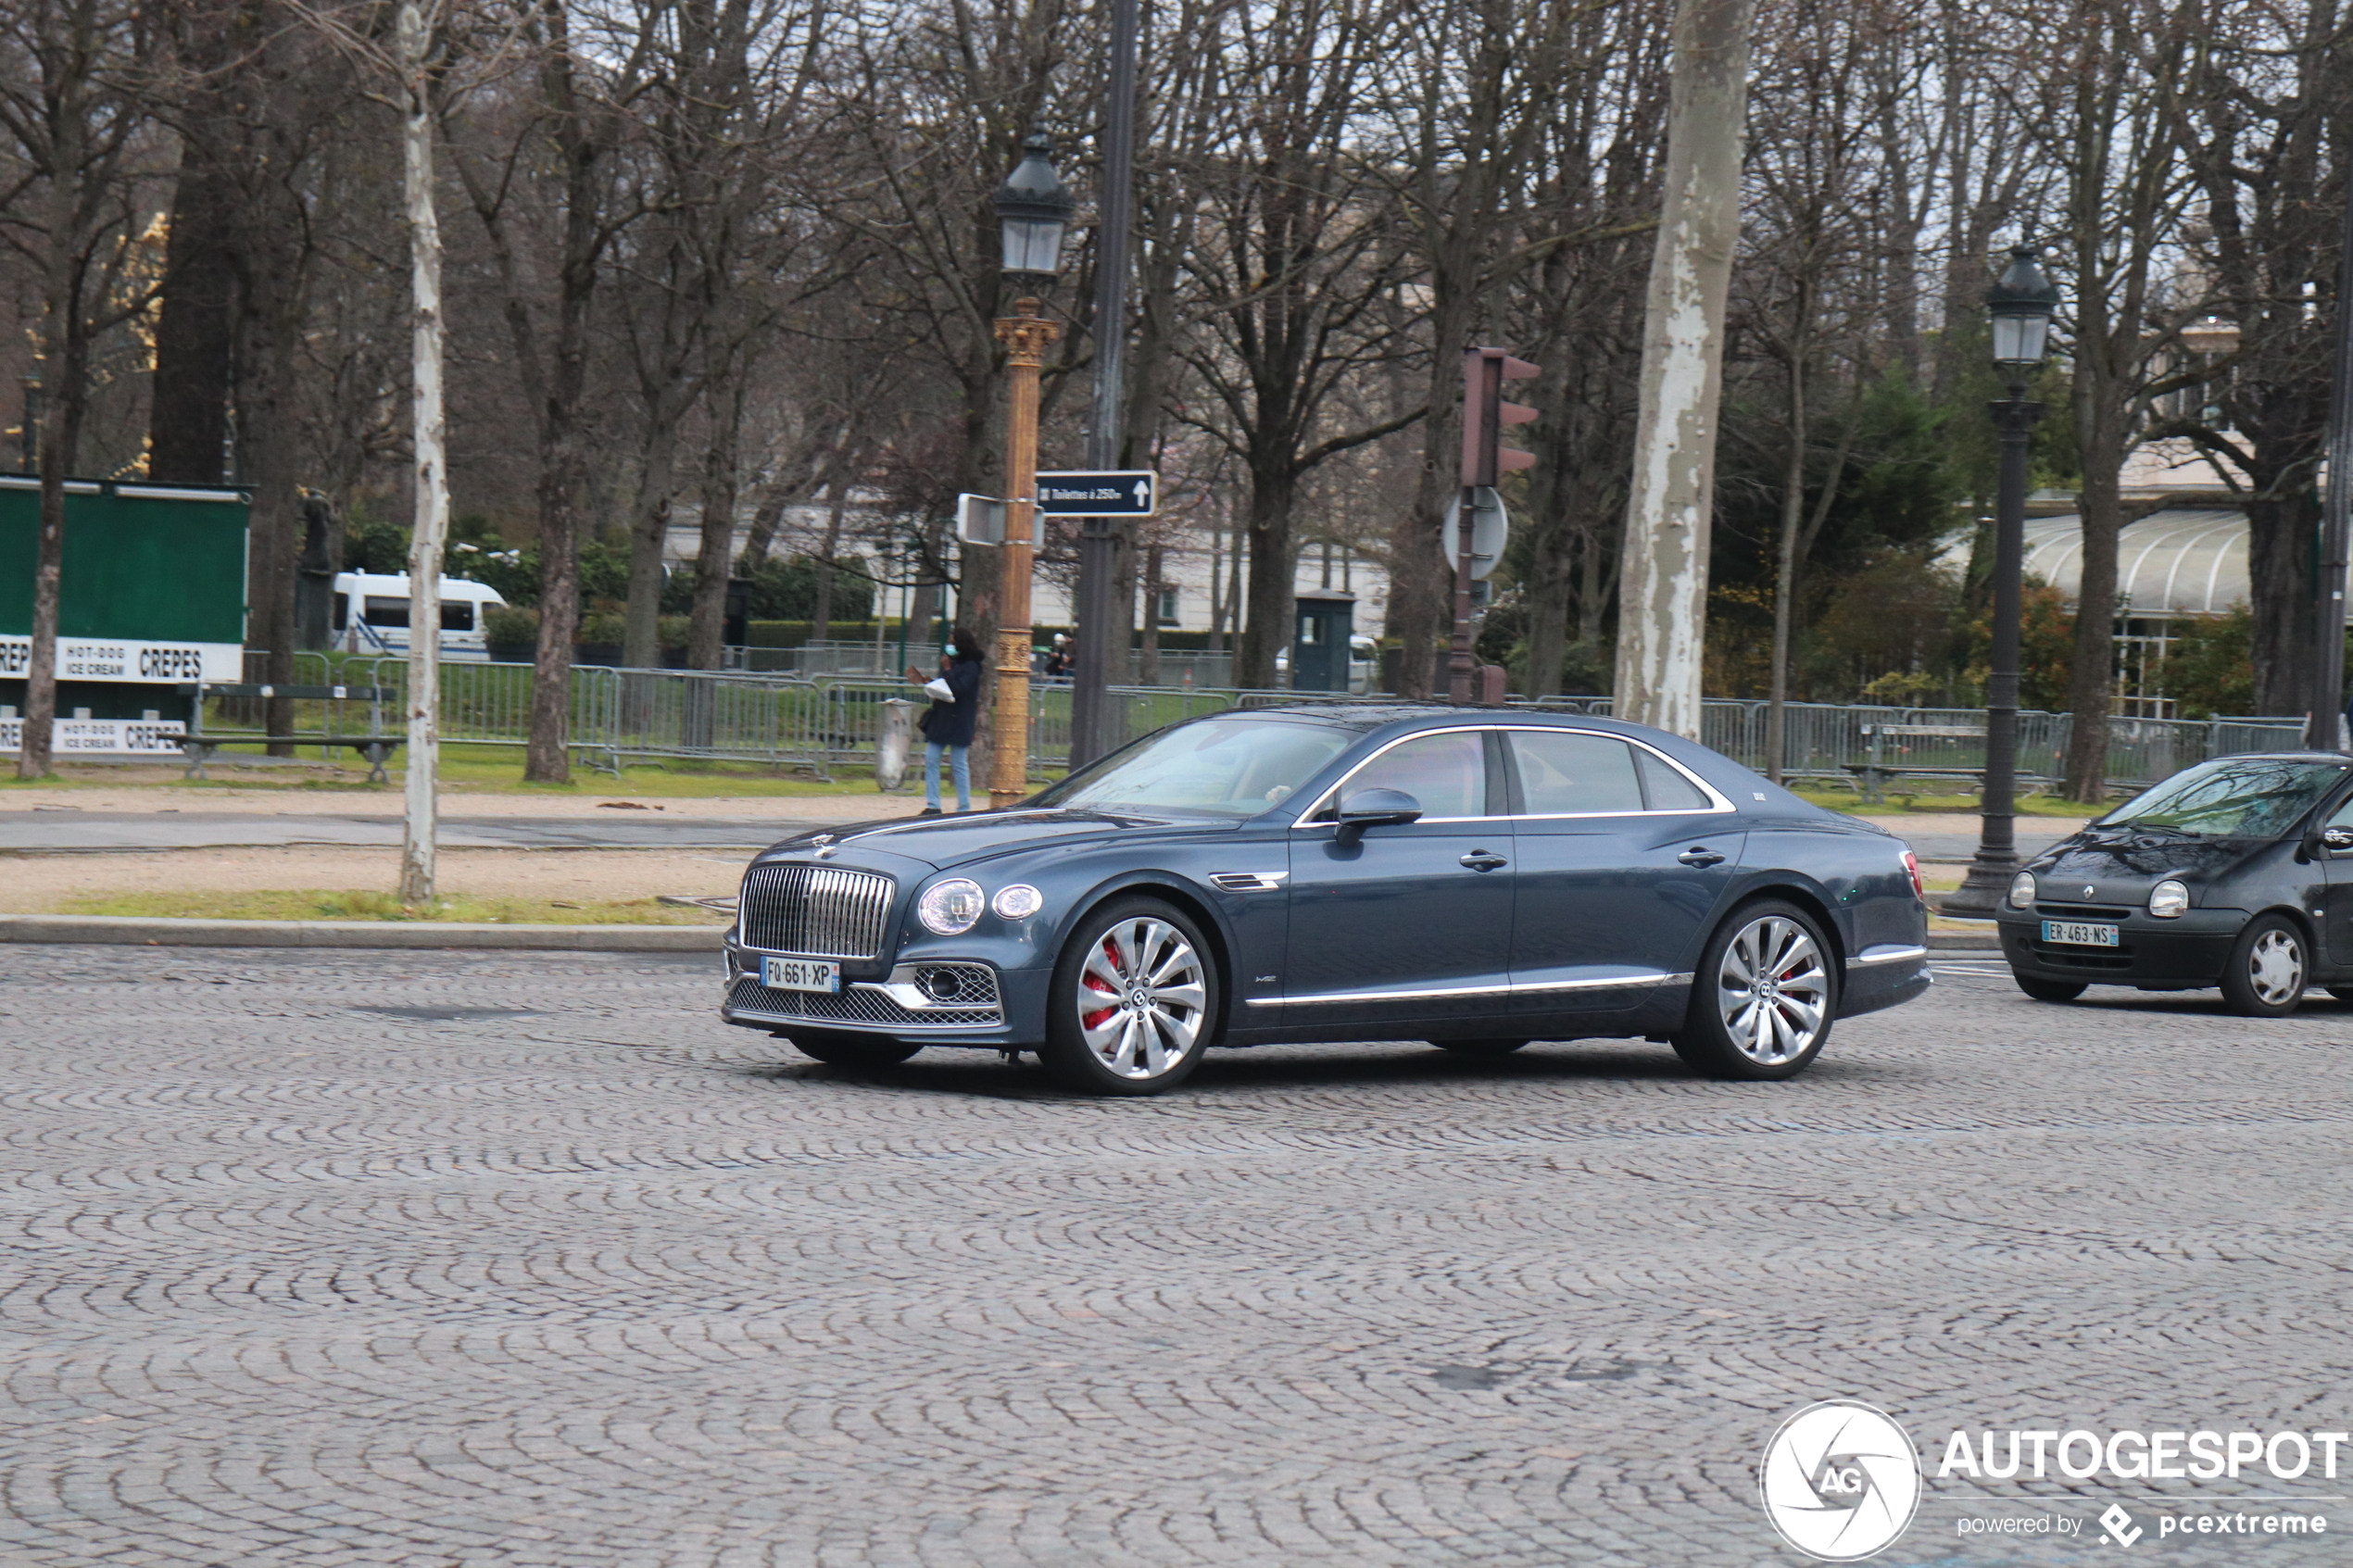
x=1663, y=587
x=421, y=828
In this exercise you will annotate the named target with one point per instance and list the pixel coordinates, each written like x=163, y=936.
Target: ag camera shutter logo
x=1841, y=1481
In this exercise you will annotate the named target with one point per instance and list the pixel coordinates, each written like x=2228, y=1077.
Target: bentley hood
x=942, y=842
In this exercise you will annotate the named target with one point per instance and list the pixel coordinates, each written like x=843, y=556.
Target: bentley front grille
x=820, y=910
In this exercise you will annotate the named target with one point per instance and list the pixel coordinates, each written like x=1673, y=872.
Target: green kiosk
x=152, y=595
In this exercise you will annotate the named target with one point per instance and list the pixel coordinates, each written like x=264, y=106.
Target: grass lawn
x=316, y=905
x=1900, y=802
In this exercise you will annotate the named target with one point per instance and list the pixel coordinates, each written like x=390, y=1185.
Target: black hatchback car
x=1473, y=878
x=2236, y=872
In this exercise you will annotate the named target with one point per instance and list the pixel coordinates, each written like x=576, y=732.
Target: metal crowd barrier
x=817, y=722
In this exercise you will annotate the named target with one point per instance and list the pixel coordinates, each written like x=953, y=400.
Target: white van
x=371, y=614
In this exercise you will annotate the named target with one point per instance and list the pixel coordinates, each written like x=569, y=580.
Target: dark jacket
x=950, y=724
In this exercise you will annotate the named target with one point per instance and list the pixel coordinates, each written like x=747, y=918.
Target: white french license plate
x=2079, y=933
x=799, y=975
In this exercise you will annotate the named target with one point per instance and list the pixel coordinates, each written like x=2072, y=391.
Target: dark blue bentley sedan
x=1476, y=878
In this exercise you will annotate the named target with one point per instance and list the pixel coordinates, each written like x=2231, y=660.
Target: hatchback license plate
x=2079, y=933
x=799, y=975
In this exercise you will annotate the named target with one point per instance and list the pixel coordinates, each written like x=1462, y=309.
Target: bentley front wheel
x=1134, y=1000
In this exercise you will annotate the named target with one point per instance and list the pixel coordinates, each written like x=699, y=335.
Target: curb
x=479, y=935
x=1963, y=941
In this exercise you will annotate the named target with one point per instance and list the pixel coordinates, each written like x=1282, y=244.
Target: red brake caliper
x=1087, y=977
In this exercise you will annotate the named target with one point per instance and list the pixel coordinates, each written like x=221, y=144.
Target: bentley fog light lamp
x=1018, y=902
x=951, y=907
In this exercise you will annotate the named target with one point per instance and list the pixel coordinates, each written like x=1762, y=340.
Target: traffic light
x=1485, y=414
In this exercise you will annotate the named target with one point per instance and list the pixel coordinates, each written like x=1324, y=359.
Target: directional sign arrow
x=1110, y=493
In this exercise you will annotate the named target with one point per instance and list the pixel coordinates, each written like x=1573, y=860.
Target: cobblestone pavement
x=425, y=1259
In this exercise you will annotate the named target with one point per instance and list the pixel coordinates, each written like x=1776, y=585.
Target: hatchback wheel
x=1134, y=999
x=2268, y=969
x=2049, y=990
x=1763, y=997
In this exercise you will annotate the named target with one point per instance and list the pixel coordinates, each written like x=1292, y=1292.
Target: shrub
x=509, y=625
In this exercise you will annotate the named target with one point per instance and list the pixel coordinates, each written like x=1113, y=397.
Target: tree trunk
x=268, y=446
x=1148, y=657
x=188, y=414
x=1785, y=568
x=705, y=637
x=431, y=477
x=641, y=639
x=1274, y=568
x=821, y=616
x=1663, y=600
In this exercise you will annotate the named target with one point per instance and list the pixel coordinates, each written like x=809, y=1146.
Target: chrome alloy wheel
x=1140, y=998
x=2275, y=968
x=1772, y=990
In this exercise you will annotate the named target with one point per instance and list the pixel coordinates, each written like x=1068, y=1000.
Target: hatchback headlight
x=2167, y=899
x=2022, y=891
x=951, y=907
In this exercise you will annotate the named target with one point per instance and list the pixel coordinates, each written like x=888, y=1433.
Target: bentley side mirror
x=1374, y=807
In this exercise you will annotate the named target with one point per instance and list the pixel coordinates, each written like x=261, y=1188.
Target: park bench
x=376, y=746
x=1875, y=772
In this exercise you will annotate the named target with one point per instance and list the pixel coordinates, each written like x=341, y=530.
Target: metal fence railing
x=820, y=721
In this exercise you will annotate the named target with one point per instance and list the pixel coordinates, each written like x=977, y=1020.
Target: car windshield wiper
x=2115, y=833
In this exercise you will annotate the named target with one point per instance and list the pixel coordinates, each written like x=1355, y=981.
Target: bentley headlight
x=2167, y=899
x=949, y=908
x=2022, y=891
x=1018, y=902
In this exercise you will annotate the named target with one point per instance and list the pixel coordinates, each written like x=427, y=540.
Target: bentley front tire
x=1134, y=1001
x=2267, y=969
x=1763, y=997
x=836, y=1050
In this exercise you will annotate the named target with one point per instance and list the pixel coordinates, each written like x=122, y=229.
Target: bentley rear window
x=1219, y=767
x=2232, y=797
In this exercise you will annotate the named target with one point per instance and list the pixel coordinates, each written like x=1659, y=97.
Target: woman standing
x=947, y=725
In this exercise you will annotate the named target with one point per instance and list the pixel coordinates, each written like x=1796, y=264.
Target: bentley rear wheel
x=1134, y=1001
x=1763, y=997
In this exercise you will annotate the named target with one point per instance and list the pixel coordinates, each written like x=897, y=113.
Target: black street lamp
x=1032, y=211
x=2021, y=305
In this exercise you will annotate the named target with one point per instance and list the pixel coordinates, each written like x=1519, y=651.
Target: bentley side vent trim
x=1248, y=882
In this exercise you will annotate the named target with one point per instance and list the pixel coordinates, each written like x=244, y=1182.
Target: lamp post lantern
x=1032, y=211
x=2021, y=305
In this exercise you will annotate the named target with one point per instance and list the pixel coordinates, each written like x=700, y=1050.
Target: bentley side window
x=1446, y=773
x=1665, y=789
x=1564, y=773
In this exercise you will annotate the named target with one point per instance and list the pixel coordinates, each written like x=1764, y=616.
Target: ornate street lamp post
x=2021, y=305
x=1032, y=211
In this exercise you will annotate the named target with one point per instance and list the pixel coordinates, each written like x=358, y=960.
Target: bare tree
x=73, y=111
x=1663, y=597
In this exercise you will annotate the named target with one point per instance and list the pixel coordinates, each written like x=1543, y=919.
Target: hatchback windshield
x=2231, y=797
x=1219, y=767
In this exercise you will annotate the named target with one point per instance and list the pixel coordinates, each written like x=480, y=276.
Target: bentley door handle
x=1699, y=856
x=1482, y=860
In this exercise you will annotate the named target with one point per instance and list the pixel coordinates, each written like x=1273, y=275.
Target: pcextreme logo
x=1840, y=1480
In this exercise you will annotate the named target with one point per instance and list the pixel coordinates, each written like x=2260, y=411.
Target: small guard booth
x=1326, y=619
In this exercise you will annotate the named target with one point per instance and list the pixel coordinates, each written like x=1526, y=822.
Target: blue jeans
x=961, y=763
